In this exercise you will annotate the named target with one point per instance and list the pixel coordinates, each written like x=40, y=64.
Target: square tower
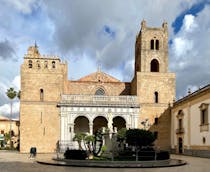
x=42, y=83
x=152, y=83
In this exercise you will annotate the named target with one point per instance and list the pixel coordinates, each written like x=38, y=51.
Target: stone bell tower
x=42, y=83
x=152, y=83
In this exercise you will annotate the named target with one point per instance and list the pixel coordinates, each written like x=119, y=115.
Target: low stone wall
x=198, y=153
x=191, y=152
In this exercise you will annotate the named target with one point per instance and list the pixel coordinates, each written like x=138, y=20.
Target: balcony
x=204, y=127
x=96, y=100
x=180, y=131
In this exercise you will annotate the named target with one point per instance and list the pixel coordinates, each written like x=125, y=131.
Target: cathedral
x=53, y=108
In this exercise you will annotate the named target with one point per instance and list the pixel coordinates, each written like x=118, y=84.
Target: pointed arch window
x=152, y=44
x=100, y=91
x=156, y=96
x=41, y=94
x=157, y=44
x=53, y=64
x=154, y=66
x=30, y=65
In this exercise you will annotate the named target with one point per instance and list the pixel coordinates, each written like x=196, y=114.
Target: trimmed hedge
x=75, y=154
x=163, y=155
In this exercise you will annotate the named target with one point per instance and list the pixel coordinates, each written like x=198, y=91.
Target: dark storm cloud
x=6, y=50
x=105, y=30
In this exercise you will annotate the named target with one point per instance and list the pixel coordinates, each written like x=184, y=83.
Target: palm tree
x=79, y=137
x=89, y=140
x=18, y=94
x=11, y=94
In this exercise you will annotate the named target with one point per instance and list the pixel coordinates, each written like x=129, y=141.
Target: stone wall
x=89, y=88
x=163, y=128
x=40, y=126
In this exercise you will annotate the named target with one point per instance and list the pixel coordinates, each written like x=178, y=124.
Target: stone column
x=110, y=121
x=91, y=128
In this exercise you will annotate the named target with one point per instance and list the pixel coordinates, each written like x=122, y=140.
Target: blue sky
x=88, y=33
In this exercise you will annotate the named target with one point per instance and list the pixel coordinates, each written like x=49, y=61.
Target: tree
x=121, y=136
x=79, y=137
x=18, y=94
x=89, y=140
x=139, y=137
x=11, y=94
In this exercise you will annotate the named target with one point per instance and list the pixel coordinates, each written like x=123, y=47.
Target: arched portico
x=118, y=123
x=98, y=123
x=81, y=125
x=88, y=113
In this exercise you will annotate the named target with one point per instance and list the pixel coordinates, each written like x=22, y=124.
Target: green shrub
x=163, y=155
x=146, y=155
x=75, y=154
x=139, y=137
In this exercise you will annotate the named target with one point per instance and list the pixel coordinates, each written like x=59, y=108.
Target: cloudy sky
x=92, y=32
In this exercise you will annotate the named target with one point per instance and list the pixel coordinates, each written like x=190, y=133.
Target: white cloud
x=189, y=23
x=181, y=46
x=5, y=109
x=16, y=82
x=24, y=6
x=190, y=52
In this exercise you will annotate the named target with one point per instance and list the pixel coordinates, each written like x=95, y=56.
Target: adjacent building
x=190, y=132
x=7, y=125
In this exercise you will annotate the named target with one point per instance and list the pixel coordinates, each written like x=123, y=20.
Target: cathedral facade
x=53, y=108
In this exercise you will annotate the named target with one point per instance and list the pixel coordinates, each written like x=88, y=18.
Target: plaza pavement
x=11, y=161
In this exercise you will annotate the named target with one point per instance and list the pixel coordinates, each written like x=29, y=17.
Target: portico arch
x=98, y=123
x=81, y=125
x=119, y=122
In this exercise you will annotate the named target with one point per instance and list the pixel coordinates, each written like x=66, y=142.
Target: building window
x=154, y=66
x=100, y=91
x=2, y=131
x=156, y=121
x=53, y=64
x=45, y=64
x=180, y=117
x=156, y=134
x=152, y=44
x=204, y=140
x=30, y=64
x=156, y=97
x=157, y=44
x=41, y=94
x=38, y=64
x=203, y=117
x=180, y=124
x=204, y=124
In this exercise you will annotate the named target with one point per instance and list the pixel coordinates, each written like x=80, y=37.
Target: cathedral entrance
x=81, y=125
x=98, y=123
x=118, y=123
